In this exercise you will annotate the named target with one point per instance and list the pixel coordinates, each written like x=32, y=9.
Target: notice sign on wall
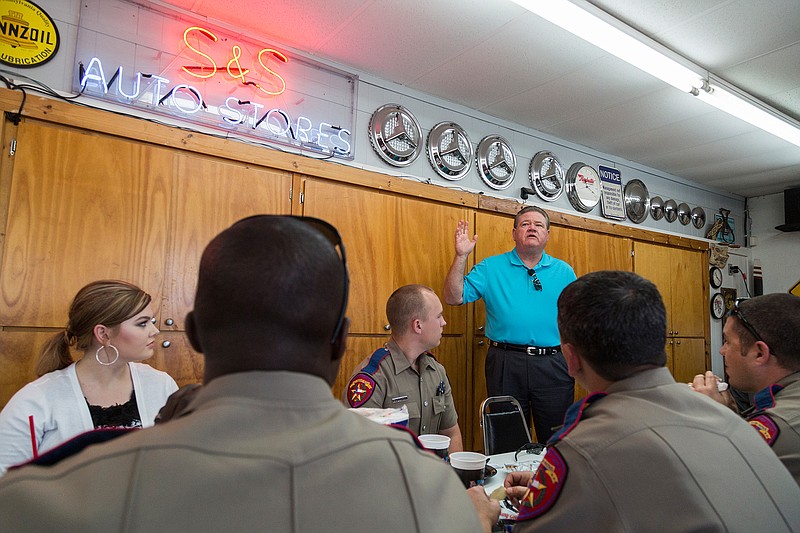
x=163, y=61
x=28, y=36
x=611, y=193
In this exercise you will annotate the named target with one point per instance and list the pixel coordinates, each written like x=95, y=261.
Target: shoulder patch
x=766, y=427
x=573, y=416
x=765, y=398
x=360, y=389
x=545, y=486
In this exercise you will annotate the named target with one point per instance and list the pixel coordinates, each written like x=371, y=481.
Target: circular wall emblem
x=449, y=150
x=583, y=187
x=28, y=36
x=546, y=175
x=395, y=135
x=496, y=162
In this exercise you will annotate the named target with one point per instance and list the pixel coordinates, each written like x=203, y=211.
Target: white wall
x=778, y=251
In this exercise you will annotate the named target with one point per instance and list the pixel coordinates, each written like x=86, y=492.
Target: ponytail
x=55, y=354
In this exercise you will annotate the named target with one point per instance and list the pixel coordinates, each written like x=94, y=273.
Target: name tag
x=399, y=399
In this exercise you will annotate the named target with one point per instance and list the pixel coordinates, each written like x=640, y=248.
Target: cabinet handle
x=166, y=344
x=480, y=328
x=676, y=332
x=169, y=322
x=387, y=327
x=481, y=343
x=677, y=342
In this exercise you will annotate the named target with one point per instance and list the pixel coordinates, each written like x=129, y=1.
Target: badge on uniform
x=546, y=485
x=766, y=427
x=360, y=389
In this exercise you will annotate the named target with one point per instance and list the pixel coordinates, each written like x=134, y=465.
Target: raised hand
x=464, y=245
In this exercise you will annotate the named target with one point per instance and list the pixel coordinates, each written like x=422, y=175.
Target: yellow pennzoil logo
x=28, y=36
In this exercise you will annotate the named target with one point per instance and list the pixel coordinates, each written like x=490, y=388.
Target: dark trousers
x=540, y=383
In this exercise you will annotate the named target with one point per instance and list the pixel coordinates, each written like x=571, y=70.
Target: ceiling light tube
x=759, y=117
x=615, y=41
x=607, y=33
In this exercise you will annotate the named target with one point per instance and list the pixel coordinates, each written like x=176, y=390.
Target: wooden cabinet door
x=175, y=356
x=424, y=235
x=688, y=358
x=366, y=220
x=210, y=195
x=82, y=207
x=688, y=287
x=654, y=262
x=19, y=353
x=586, y=251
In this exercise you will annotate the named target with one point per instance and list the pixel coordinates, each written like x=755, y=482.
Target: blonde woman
x=112, y=323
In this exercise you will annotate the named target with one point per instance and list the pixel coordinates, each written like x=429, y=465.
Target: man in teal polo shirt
x=520, y=289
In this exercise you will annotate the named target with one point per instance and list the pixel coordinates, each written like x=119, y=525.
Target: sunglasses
x=535, y=279
x=737, y=312
x=331, y=235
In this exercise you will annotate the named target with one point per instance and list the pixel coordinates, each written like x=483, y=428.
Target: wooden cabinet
x=392, y=240
x=681, y=278
x=85, y=206
x=82, y=207
x=686, y=357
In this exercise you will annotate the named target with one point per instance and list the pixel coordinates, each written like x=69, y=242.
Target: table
x=505, y=463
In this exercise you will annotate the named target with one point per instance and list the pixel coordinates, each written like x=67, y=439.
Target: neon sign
x=222, y=81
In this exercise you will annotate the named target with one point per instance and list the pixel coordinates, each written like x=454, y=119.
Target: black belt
x=530, y=350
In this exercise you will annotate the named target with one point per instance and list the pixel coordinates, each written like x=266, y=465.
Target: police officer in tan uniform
x=642, y=452
x=761, y=350
x=262, y=445
x=404, y=372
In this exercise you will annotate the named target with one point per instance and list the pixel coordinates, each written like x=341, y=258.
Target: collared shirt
x=426, y=393
x=779, y=423
x=515, y=311
x=651, y=455
x=268, y=451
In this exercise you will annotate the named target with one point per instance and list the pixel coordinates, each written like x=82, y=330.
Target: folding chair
x=504, y=425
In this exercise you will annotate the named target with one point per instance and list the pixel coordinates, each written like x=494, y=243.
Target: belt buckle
x=532, y=350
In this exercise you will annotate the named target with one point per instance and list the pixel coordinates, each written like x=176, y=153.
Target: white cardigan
x=60, y=410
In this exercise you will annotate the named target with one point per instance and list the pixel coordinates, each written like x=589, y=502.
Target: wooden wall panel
x=210, y=196
x=424, y=235
x=19, y=353
x=82, y=207
x=366, y=220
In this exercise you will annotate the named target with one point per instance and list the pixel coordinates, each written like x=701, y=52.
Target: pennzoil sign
x=28, y=36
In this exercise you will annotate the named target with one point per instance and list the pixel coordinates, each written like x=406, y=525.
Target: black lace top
x=124, y=415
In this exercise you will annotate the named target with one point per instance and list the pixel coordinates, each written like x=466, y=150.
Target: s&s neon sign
x=231, y=83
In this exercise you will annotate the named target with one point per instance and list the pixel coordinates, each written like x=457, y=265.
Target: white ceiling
x=495, y=57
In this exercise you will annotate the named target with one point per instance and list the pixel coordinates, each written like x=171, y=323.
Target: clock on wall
x=583, y=187
x=715, y=277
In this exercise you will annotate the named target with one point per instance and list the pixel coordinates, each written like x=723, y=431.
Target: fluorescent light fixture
x=607, y=33
x=739, y=107
x=615, y=41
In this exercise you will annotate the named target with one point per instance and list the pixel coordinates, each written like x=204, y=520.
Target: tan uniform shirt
x=779, y=423
x=653, y=455
x=261, y=451
x=426, y=393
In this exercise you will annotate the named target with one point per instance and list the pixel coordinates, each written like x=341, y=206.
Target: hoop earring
x=97, y=354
